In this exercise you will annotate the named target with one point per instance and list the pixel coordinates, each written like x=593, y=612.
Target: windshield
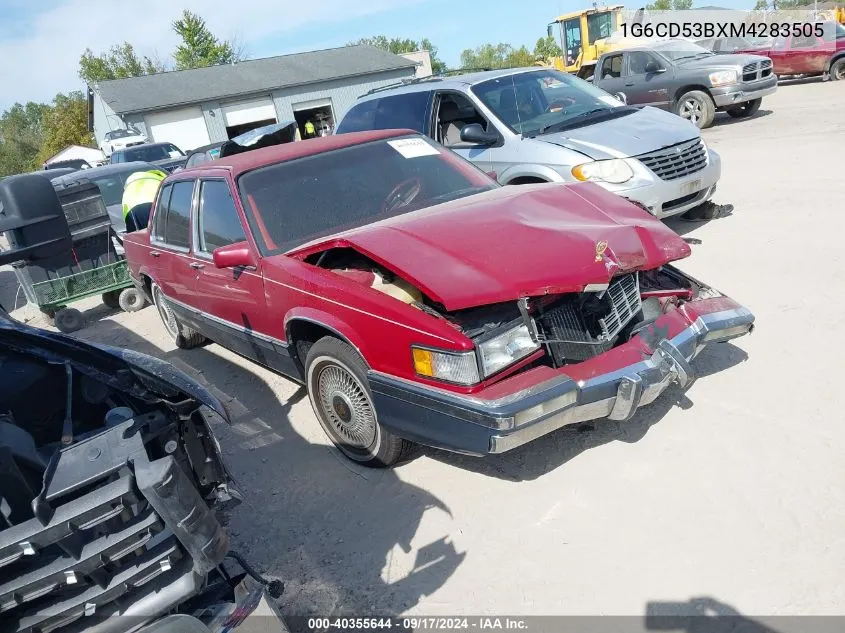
x=291, y=203
x=530, y=103
x=677, y=51
x=119, y=134
x=150, y=153
x=111, y=188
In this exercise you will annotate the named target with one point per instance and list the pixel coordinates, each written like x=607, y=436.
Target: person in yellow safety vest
x=310, y=130
x=138, y=194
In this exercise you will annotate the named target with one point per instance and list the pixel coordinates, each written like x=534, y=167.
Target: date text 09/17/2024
x=708, y=30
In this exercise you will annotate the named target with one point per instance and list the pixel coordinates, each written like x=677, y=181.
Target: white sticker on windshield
x=413, y=147
x=610, y=100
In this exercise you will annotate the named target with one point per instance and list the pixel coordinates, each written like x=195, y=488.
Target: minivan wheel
x=697, y=107
x=341, y=399
x=182, y=336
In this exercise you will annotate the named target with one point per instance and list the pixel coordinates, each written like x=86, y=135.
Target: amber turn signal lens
x=423, y=362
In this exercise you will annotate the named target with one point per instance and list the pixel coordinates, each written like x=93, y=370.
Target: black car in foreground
x=110, y=483
x=165, y=156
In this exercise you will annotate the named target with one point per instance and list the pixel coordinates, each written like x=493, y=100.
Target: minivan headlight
x=460, y=368
x=722, y=78
x=505, y=349
x=615, y=171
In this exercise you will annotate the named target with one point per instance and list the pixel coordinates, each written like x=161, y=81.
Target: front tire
x=336, y=378
x=747, y=109
x=696, y=107
x=183, y=337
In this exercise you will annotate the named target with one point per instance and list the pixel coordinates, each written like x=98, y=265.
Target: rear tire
x=747, y=109
x=183, y=337
x=69, y=320
x=131, y=300
x=696, y=107
x=837, y=70
x=336, y=379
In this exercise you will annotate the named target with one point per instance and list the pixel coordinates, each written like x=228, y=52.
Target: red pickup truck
x=811, y=55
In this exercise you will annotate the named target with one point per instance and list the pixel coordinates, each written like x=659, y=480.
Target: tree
x=497, y=56
x=397, y=46
x=21, y=137
x=66, y=123
x=546, y=48
x=669, y=5
x=199, y=47
x=119, y=62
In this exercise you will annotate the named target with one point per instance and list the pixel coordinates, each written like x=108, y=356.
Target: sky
x=41, y=41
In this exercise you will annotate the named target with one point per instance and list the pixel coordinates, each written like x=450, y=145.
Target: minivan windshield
x=294, y=202
x=537, y=102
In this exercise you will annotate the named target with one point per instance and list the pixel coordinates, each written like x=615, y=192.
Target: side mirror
x=621, y=96
x=474, y=133
x=33, y=220
x=549, y=30
x=237, y=255
x=654, y=67
x=493, y=175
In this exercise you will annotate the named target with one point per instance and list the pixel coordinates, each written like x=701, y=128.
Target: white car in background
x=121, y=139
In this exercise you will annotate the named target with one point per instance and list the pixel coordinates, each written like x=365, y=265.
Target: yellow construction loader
x=584, y=36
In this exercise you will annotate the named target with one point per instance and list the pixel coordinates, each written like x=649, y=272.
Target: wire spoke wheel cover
x=345, y=406
x=166, y=314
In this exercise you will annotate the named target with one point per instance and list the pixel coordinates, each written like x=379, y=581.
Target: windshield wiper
x=579, y=118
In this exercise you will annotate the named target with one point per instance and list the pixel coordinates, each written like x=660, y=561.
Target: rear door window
x=178, y=212
x=160, y=214
x=611, y=67
x=405, y=111
x=218, y=222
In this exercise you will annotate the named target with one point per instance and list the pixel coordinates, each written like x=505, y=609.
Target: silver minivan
x=541, y=125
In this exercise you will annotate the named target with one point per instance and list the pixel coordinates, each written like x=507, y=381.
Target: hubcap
x=691, y=109
x=166, y=314
x=840, y=71
x=346, y=406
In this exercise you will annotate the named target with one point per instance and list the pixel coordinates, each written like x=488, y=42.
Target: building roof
x=247, y=161
x=153, y=92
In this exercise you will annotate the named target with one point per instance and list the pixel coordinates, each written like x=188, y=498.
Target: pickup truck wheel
x=837, y=70
x=697, y=107
x=336, y=377
x=747, y=109
x=183, y=337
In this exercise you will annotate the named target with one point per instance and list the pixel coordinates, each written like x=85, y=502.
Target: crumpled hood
x=516, y=241
x=643, y=131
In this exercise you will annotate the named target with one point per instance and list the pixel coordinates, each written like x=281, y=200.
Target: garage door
x=184, y=127
x=244, y=112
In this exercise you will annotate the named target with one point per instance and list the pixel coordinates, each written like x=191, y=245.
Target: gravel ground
x=732, y=491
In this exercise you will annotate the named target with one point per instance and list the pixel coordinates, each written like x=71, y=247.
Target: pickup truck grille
x=676, y=161
x=756, y=71
x=578, y=332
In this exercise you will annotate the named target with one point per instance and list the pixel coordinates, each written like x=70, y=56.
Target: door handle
x=155, y=253
x=630, y=83
x=196, y=265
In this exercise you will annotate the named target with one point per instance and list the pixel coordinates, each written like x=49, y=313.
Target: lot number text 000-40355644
x=707, y=30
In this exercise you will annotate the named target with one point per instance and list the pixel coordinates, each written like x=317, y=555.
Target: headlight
x=505, y=349
x=722, y=78
x=458, y=367
x=614, y=170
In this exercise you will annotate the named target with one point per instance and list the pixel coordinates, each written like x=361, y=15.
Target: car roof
x=131, y=147
x=105, y=170
x=247, y=161
x=205, y=148
x=436, y=82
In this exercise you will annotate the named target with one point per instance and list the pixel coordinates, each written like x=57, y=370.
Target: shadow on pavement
x=702, y=615
x=341, y=537
x=723, y=119
x=545, y=454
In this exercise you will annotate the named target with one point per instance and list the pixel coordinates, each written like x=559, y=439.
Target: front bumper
x=665, y=198
x=737, y=95
x=477, y=426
